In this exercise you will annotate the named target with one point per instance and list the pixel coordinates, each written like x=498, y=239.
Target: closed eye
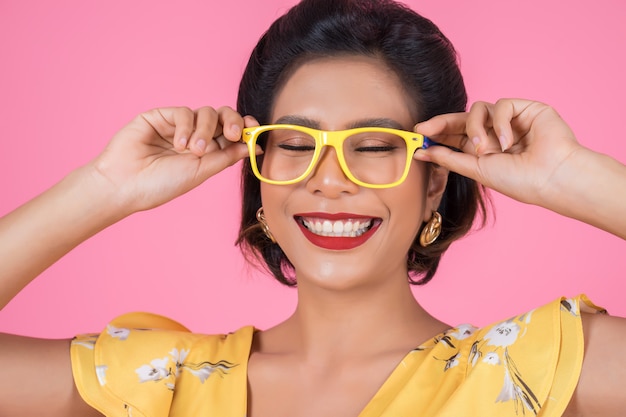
x=296, y=148
x=388, y=148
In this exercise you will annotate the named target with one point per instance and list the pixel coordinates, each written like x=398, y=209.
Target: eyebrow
x=314, y=124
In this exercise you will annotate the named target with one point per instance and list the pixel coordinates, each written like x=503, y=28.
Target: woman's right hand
x=160, y=155
x=166, y=152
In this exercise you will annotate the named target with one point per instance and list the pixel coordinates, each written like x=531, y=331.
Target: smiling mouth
x=337, y=228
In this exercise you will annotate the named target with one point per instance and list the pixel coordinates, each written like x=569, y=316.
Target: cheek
x=413, y=190
x=410, y=199
x=273, y=200
x=268, y=199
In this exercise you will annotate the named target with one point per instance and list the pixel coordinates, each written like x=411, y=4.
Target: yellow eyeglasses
x=374, y=157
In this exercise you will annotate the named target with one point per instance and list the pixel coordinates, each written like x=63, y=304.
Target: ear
x=437, y=181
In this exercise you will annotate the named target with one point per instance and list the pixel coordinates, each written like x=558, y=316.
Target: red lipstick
x=337, y=242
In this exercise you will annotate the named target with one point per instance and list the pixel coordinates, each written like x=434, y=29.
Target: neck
x=367, y=320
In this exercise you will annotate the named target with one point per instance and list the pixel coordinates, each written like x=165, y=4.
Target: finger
x=214, y=162
x=462, y=163
x=480, y=129
x=505, y=111
x=447, y=129
x=250, y=121
x=205, y=129
x=443, y=124
x=231, y=122
x=181, y=119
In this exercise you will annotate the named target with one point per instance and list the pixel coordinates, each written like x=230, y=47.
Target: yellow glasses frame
x=335, y=140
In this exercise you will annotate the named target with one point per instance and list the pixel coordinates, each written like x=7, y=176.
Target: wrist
x=93, y=200
x=586, y=187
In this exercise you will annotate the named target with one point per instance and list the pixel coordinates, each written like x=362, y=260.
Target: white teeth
x=338, y=228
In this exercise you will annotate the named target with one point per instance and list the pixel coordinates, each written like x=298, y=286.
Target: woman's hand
x=166, y=152
x=158, y=156
x=524, y=149
x=515, y=147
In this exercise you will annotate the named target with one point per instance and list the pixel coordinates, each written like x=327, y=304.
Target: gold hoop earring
x=431, y=230
x=260, y=216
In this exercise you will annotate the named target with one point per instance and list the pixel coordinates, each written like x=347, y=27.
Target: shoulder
x=529, y=362
x=600, y=389
x=140, y=359
x=134, y=337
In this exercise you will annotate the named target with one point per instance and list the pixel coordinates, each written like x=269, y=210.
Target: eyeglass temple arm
x=428, y=142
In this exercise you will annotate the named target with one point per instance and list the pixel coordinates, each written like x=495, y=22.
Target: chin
x=340, y=278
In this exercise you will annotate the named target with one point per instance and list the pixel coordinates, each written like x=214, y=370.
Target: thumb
x=213, y=163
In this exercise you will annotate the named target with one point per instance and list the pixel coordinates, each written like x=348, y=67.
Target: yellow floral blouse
x=528, y=365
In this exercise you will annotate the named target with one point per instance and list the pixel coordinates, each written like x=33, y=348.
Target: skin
x=166, y=152
x=344, y=296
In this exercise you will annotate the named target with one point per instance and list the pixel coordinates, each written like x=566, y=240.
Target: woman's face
x=334, y=94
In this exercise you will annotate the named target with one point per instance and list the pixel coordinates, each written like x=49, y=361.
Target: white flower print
x=179, y=358
x=87, y=344
x=101, y=374
x=514, y=389
x=169, y=368
x=474, y=353
x=87, y=341
x=205, y=369
x=570, y=305
x=463, y=331
x=492, y=358
x=203, y=373
x=503, y=335
x=526, y=317
x=509, y=389
x=156, y=371
x=117, y=332
x=452, y=362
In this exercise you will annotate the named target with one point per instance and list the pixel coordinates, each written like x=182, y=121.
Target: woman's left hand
x=524, y=149
x=513, y=146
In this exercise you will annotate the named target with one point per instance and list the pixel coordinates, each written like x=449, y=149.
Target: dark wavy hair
x=413, y=47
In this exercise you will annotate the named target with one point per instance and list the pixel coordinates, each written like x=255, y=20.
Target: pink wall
x=74, y=72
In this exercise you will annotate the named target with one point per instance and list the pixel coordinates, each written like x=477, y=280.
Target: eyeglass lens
x=371, y=157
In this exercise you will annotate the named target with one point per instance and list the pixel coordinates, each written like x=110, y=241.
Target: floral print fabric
x=528, y=365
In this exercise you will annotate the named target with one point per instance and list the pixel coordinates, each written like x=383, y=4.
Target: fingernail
x=182, y=142
x=236, y=130
x=476, y=142
x=503, y=142
x=201, y=145
x=421, y=155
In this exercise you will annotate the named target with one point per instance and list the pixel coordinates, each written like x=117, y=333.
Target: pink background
x=74, y=72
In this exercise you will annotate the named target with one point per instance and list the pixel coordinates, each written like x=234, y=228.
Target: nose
x=328, y=178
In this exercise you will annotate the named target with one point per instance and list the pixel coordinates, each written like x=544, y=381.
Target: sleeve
x=132, y=366
x=528, y=364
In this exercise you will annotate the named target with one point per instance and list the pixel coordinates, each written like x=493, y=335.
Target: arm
x=160, y=155
x=41, y=231
x=37, y=379
x=146, y=164
x=523, y=149
x=600, y=390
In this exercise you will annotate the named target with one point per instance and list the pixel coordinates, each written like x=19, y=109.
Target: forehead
x=336, y=91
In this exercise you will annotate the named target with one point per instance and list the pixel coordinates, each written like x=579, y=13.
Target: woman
x=327, y=358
